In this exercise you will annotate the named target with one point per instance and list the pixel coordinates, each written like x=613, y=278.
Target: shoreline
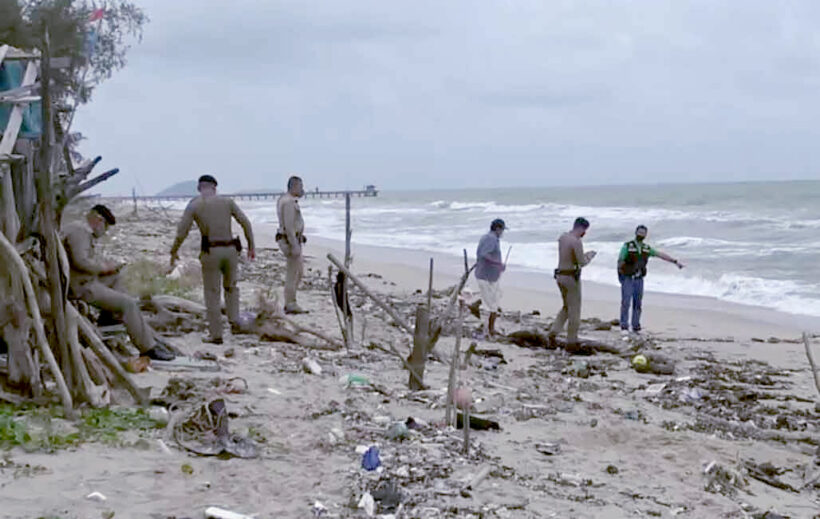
x=526, y=291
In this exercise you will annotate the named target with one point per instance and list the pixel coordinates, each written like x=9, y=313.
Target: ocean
x=750, y=243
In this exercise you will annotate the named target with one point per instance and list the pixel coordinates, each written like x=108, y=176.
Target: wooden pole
x=812, y=363
x=347, y=229
x=430, y=288
x=346, y=314
x=47, y=218
x=384, y=306
x=454, y=368
x=134, y=198
x=466, y=262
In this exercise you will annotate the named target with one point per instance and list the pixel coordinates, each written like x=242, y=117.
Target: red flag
x=97, y=14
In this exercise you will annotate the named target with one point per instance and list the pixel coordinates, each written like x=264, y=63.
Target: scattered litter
x=722, y=480
x=361, y=449
x=354, y=380
x=185, y=364
x=137, y=364
x=370, y=459
x=213, y=512
x=398, y=431
x=204, y=431
x=311, y=366
x=274, y=391
x=319, y=509
x=163, y=447
x=96, y=496
x=611, y=469
x=654, y=389
x=550, y=449
x=388, y=495
x=368, y=503
x=159, y=414
x=690, y=395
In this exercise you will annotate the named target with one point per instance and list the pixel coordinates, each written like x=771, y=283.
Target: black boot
x=160, y=352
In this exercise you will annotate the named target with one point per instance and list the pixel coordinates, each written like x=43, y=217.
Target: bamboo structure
x=52, y=348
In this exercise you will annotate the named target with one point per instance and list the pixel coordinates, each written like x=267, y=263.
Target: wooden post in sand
x=452, y=411
x=134, y=198
x=466, y=263
x=814, y=369
x=421, y=348
x=345, y=310
x=430, y=289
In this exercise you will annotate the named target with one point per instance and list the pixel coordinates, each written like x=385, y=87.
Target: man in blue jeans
x=632, y=262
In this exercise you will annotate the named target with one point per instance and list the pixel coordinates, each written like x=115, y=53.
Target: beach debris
x=654, y=389
x=186, y=364
x=311, y=366
x=204, y=431
x=473, y=484
x=529, y=339
x=549, y=449
x=186, y=469
x=96, y=496
x=274, y=391
x=353, y=380
x=164, y=447
x=388, y=495
x=159, y=414
x=477, y=423
x=815, y=370
x=653, y=363
x=368, y=504
x=611, y=469
x=579, y=368
x=318, y=509
x=723, y=480
x=213, y=512
x=137, y=364
x=398, y=431
x=370, y=459
x=767, y=473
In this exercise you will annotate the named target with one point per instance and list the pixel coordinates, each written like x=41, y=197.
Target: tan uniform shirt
x=290, y=218
x=79, y=245
x=213, y=217
x=570, y=252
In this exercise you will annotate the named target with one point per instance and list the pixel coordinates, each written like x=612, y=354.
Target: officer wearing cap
x=98, y=282
x=219, y=251
x=290, y=237
x=488, y=271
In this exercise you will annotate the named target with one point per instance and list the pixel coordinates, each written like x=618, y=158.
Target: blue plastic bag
x=370, y=459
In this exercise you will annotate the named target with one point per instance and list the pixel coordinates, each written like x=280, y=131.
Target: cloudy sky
x=425, y=94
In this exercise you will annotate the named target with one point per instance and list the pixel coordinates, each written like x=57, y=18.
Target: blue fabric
x=11, y=77
x=488, y=248
x=631, y=296
x=370, y=459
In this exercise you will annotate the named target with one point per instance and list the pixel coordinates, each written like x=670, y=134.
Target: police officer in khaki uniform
x=98, y=282
x=220, y=251
x=571, y=258
x=290, y=238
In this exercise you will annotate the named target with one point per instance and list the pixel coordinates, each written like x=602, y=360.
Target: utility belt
x=574, y=272
x=282, y=236
x=207, y=244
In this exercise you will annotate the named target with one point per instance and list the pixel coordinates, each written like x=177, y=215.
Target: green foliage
x=17, y=427
x=24, y=25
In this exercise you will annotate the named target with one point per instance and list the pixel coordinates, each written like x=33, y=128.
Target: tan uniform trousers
x=103, y=294
x=219, y=268
x=293, y=274
x=571, y=311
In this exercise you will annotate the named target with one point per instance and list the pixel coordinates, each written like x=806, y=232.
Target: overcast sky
x=426, y=94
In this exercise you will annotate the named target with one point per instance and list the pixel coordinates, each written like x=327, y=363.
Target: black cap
x=106, y=214
x=581, y=222
x=641, y=227
x=208, y=178
x=498, y=223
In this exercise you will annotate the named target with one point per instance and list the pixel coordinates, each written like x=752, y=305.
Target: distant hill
x=187, y=188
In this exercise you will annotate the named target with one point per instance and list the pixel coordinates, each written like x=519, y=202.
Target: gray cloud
x=426, y=94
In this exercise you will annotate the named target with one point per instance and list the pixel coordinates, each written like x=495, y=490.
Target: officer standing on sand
x=632, y=262
x=571, y=258
x=291, y=237
x=220, y=251
x=99, y=284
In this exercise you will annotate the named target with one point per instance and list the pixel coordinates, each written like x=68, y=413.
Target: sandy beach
x=579, y=437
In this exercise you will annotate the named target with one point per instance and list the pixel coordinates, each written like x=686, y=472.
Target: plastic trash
x=398, y=431
x=214, y=512
x=354, y=380
x=370, y=459
x=159, y=414
x=690, y=395
x=368, y=503
x=319, y=509
x=311, y=366
x=96, y=496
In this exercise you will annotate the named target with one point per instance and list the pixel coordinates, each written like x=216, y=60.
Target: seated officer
x=98, y=282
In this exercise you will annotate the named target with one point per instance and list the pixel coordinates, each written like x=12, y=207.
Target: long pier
x=266, y=195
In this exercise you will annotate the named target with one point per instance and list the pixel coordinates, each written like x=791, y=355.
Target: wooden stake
x=384, y=306
x=466, y=262
x=421, y=347
x=812, y=363
x=346, y=314
x=430, y=288
x=466, y=425
x=134, y=198
x=450, y=416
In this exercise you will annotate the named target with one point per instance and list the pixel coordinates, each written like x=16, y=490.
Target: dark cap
x=581, y=222
x=106, y=214
x=498, y=223
x=641, y=227
x=208, y=178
